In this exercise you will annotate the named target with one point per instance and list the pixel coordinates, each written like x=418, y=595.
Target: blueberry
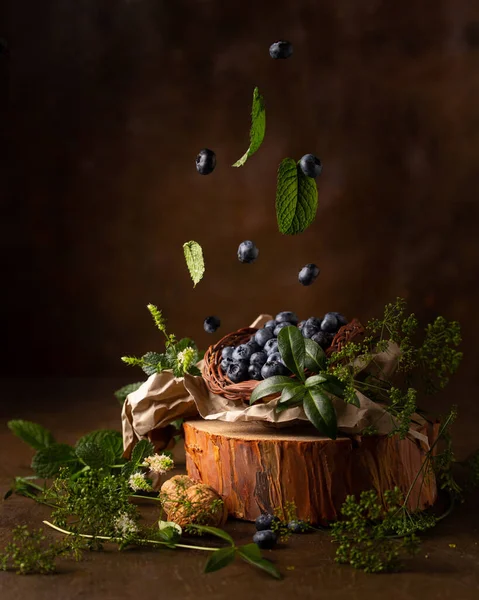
x=263, y=335
x=247, y=252
x=315, y=322
x=281, y=326
x=341, y=318
x=242, y=352
x=330, y=323
x=255, y=347
x=225, y=363
x=308, y=274
x=281, y=50
x=254, y=372
x=288, y=316
x=310, y=165
x=205, y=161
x=270, y=369
x=275, y=357
x=271, y=346
x=227, y=352
x=265, y=521
x=298, y=526
x=271, y=323
x=265, y=539
x=309, y=330
x=322, y=339
x=211, y=324
x=258, y=358
x=238, y=371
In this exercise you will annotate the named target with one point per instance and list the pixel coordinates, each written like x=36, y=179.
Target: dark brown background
x=110, y=101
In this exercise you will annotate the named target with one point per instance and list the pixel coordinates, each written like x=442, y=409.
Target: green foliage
x=402, y=406
x=194, y=261
x=292, y=349
x=258, y=127
x=142, y=450
x=283, y=516
x=48, y=462
x=124, y=391
x=31, y=552
x=437, y=355
x=364, y=534
x=109, y=442
x=320, y=411
x=32, y=434
x=443, y=460
x=314, y=358
x=296, y=198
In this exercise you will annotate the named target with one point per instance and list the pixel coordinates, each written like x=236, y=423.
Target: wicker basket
x=217, y=381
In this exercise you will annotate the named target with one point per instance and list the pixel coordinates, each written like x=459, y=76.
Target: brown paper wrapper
x=163, y=398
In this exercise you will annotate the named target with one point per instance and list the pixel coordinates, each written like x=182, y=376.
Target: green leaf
x=163, y=525
x=292, y=349
x=292, y=394
x=194, y=260
x=269, y=386
x=123, y=392
x=334, y=386
x=315, y=358
x=142, y=450
x=110, y=441
x=47, y=462
x=32, y=434
x=94, y=455
x=8, y=494
x=258, y=128
x=213, y=531
x=315, y=380
x=320, y=411
x=253, y=557
x=219, y=559
x=153, y=362
x=296, y=198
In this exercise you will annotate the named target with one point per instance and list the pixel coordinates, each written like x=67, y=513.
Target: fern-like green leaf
x=194, y=261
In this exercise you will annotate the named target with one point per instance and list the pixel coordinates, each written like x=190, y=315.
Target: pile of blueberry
x=265, y=536
x=259, y=358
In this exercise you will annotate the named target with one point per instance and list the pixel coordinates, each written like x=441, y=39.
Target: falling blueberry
x=211, y=324
x=281, y=50
x=311, y=165
x=265, y=539
x=308, y=274
x=205, y=161
x=247, y=252
x=265, y=521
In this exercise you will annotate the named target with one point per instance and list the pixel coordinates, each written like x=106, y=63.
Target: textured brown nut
x=173, y=490
x=199, y=504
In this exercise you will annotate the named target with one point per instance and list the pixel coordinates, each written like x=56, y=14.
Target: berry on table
x=281, y=49
x=211, y=324
x=265, y=539
x=247, y=252
x=265, y=521
x=308, y=274
x=310, y=165
x=298, y=526
x=205, y=161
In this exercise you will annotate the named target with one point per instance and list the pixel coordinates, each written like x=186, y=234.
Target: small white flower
x=125, y=525
x=159, y=463
x=138, y=482
x=185, y=358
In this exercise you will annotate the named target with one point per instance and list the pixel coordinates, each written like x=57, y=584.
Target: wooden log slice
x=258, y=468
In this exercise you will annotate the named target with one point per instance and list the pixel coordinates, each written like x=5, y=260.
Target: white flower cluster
x=125, y=525
x=138, y=482
x=159, y=463
x=185, y=358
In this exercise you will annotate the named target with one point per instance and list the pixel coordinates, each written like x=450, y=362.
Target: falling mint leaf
x=258, y=128
x=296, y=198
x=33, y=434
x=194, y=260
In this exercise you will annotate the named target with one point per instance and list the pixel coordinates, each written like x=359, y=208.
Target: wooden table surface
x=446, y=568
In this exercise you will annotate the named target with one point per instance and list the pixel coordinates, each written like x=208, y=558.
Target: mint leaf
x=296, y=198
x=258, y=127
x=124, y=391
x=109, y=440
x=153, y=362
x=48, y=461
x=292, y=349
x=32, y=434
x=219, y=559
x=94, y=455
x=269, y=386
x=253, y=557
x=142, y=450
x=213, y=531
x=315, y=358
x=320, y=411
x=194, y=261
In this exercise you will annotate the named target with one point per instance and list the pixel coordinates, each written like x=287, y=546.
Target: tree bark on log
x=257, y=469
